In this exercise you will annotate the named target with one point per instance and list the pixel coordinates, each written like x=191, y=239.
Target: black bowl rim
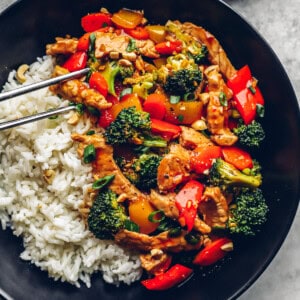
x=288, y=224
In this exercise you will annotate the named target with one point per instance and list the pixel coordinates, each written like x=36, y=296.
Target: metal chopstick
x=4, y=295
x=36, y=86
x=36, y=117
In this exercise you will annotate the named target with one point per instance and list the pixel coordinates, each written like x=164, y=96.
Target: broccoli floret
x=146, y=169
x=225, y=175
x=182, y=82
x=255, y=170
x=200, y=56
x=133, y=127
x=106, y=216
x=195, y=50
x=112, y=71
x=141, y=171
x=126, y=71
x=250, y=135
x=248, y=212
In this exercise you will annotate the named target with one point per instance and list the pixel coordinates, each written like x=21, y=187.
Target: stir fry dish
x=174, y=125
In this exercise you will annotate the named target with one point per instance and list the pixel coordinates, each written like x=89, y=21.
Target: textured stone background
x=279, y=23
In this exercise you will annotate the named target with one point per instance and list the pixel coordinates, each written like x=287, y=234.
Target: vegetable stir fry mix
x=174, y=125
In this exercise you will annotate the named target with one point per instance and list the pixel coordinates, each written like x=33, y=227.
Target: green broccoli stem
x=239, y=177
x=155, y=143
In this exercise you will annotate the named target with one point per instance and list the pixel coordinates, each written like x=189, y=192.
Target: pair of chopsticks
x=36, y=86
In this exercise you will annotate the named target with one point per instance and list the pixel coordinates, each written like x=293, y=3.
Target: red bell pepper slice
x=202, y=158
x=246, y=105
x=105, y=118
x=240, y=80
x=92, y=22
x=139, y=33
x=246, y=96
x=169, y=47
x=155, y=106
x=187, y=201
x=83, y=42
x=166, y=130
x=98, y=82
x=175, y=275
x=212, y=253
x=259, y=99
x=237, y=157
x=164, y=267
x=76, y=61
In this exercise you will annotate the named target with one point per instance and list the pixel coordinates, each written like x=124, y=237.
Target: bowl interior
x=25, y=30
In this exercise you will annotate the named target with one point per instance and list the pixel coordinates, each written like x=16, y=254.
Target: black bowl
x=30, y=24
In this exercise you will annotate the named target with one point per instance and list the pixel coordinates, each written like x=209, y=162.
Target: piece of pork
x=191, y=138
x=166, y=203
x=214, y=208
x=215, y=81
x=173, y=169
x=217, y=55
x=107, y=42
x=216, y=121
x=162, y=241
x=62, y=46
x=77, y=91
x=105, y=165
x=154, y=261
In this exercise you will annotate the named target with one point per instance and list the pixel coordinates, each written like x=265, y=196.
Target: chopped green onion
x=53, y=117
x=131, y=46
x=91, y=132
x=104, y=25
x=93, y=111
x=252, y=89
x=89, y=154
x=174, y=232
x=102, y=182
x=189, y=97
x=153, y=216
x=91, y=50
x=180, y=118
x=80, y=108
x=223, y=99
x=126, y=92
x=131, y=226
x=192, y=238
x=174, y=99
x=260, y=110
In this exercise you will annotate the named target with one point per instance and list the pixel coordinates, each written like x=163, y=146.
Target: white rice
x=46, y=215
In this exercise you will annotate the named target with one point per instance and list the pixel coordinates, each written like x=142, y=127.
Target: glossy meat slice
x=62, y=46
x=217, y=113
x=214, y=208
x=154, y=261
x=105, y=165
x=166, y=203
x=215, y=81
x=216, y=121
x=190, y=138
x=173, y=169
x=107, y=42
x=144, y=242
x=77, y=91
x=217, y=55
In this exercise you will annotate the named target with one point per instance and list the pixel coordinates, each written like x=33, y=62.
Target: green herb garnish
x=102, y=182
x=89, y=154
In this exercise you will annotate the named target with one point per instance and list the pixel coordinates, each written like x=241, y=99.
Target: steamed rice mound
x=46, y=214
